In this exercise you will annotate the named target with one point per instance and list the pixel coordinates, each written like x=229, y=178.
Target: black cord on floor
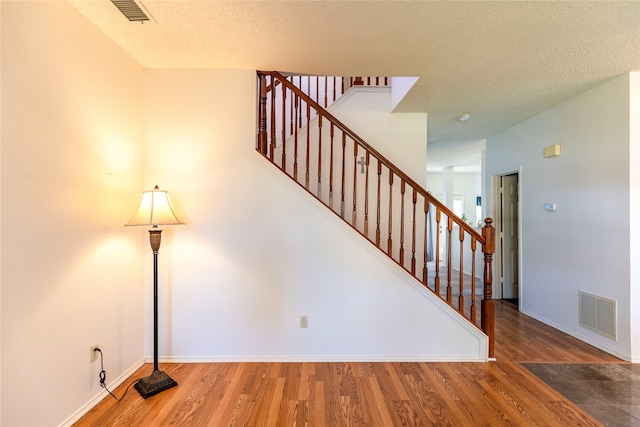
x=103, y=379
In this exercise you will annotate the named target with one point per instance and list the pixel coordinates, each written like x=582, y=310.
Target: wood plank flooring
x=500, y=393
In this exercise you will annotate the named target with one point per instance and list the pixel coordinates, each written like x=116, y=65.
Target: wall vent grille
x=131, y=10
x=598, y=314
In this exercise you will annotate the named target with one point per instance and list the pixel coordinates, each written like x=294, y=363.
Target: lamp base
x=155, y=383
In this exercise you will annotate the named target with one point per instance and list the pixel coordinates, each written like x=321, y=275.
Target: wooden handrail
x=273, y=124
x=397, y=171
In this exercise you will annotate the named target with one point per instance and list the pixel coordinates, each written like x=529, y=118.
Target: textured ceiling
x=501, y=61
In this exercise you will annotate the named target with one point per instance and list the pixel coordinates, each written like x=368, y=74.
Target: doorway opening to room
x=507, y=238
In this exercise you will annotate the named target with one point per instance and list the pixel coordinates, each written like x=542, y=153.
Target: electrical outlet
x=304, y=322
x=94, y=354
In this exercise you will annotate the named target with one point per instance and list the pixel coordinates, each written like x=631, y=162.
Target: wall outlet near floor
x=94, y=354
x=304, y=321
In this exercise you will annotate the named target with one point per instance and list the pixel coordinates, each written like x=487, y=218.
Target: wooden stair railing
x=376, y=198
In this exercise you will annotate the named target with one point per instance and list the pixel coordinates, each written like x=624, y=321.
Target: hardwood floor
x=501, y=393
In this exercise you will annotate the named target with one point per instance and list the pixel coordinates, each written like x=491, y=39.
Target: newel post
x=262, y=116
x=487, y=313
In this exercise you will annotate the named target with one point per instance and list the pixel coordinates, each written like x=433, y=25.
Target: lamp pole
x=158, y=380
x=155, y=209
x=154, y=237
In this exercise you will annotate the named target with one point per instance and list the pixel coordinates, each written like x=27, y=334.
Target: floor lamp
x=155, y=209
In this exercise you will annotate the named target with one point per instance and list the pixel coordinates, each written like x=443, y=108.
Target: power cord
x=103, y=378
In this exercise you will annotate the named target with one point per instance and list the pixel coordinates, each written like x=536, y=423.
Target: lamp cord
x=103, y=379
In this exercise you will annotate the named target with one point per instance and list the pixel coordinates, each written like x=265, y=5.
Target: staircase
x=378, y=200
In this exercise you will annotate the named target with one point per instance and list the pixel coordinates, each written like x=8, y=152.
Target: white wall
x=400, y=86
x=634, y=212
x=257, y=252
x=0, y=218
x=400, y=137
x=71, y=173
x=585, y=245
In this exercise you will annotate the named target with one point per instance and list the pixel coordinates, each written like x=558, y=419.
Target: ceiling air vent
x=131, y=10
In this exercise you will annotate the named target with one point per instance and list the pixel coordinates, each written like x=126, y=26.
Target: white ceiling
x=500, y=61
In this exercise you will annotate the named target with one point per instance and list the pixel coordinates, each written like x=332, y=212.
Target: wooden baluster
x=449, y=230
x=437, y=249
x=402, y=191
x=461, y=274
x=292, y=118
x=300, y=109
x=344, y=158
x=487, y=309
x=325, y=91
x=473, y=280
x=414, y=199
x=284, y=127
x=390, y=240
x=377, y=81
x=335, y=82
x=331, y=132
x=319, y=192
x=378, y=206
x=306, y=173
x=366, y=197
x=386, y=81
x=355, y=179
x=427, y=224
x=295, y=142
x=262, y=133
x=273, y=119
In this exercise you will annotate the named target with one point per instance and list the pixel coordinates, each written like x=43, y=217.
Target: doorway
x=507, y=242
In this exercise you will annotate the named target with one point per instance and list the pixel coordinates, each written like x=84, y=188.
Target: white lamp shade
x=155, y=209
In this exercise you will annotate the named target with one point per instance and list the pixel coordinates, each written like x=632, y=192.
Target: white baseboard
x=101, y=395
x=322, y=358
